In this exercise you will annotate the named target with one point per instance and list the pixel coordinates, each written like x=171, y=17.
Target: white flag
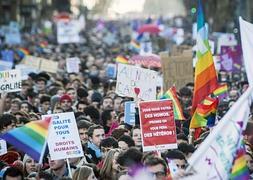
x=247, y=48
x=214, y=158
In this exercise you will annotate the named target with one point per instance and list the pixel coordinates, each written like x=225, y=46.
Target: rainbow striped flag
x=240, y=170
x=22, y=52
x=205, y=113
x=172, y=94
x=222, y=89
x=135, y=46
x=205, y=73
x=30, y=138
x=121, y=59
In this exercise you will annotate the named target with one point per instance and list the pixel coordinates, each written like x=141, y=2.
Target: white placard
x=63, y=138
x=130, y=77
x=226, y=39
x=3, y=147
x=10, y=81
x=72, y=65
x=68, y=32
x=25, y=70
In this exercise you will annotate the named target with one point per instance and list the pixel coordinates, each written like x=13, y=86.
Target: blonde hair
x=82, y=173
x=106, y=170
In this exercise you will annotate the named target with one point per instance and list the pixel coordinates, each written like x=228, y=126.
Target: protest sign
x=10, y=81
x=157, y=125
x=68, y=32
x=111, y=71
x=226, y=39
x=72, y=65
x=231, y=58
x=5, y=65
x=3, y=147
x=130, y=77
x=177, y=69
x=41, y=64
x=63, y=138
x=25, y=70
x=129, y=112
x=12, y=34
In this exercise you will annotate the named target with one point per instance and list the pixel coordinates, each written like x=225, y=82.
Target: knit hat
x=65, y=97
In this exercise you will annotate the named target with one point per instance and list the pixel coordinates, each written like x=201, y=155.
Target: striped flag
x=121, y=59
x=172, y=94
x=30, y=138
x=222, y=89
x=205, y=73
x=205, y=113
x=135, y=46
x=240, y=170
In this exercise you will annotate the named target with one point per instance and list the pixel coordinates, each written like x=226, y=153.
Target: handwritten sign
x=10, y=81
x=177, y=69
x=157, y=125
x=72, y=65
x=41, y=64
x=63, y=138
x=130, y=77
x=129, y=117
x=68, y=32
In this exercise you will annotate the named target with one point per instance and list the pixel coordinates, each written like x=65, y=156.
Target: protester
x=84, y=173
x=13, y=173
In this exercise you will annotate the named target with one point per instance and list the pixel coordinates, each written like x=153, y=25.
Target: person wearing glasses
x=156, y=167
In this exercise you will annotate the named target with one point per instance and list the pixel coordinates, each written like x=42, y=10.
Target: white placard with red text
x=63, y=138
x=157, y=125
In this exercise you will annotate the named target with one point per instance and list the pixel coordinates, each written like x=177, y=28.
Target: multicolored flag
x=205, y=113
x=135, y=46
x=172, y=94
x=22, y=52
x=121, y=59
x=205, y=74
x=240, y=170
x=30, y=138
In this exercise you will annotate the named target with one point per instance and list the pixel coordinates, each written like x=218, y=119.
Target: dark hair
x=45, y=98
x=182, y=136
x=173, y=154
x=92, y=128
x=130, y=157
x=81, y=102
x=7, y=119
x=185, y=91
x=109, y=142
x=127, y=139
x=83, y=124
x=93, y=113
x=105, y=116
x=153, y=161
x=13, y=172
x=44, y=175
x=117, y=133
x=186, y=148
x=106, y=97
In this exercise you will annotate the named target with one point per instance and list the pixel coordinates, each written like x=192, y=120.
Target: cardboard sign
x=63, y=138
x=68, y=32
x=130, y=77
x=10, y=81
x=111, y=71
x=41, y=64
x=72, y=65
x=129, y=117
x=3, y=147
x=177, y=69
x=157, y=125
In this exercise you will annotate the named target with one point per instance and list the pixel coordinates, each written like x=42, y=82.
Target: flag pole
x=69, y=169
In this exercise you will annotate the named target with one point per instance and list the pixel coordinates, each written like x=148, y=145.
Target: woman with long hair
x=84, y=173
x=109, y=169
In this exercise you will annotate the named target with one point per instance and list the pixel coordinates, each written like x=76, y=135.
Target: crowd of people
x=112, y=148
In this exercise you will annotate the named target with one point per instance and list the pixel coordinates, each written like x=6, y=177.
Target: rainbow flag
x=135, y=46
x=172, y=94
x=30, y=138
x=205, y=73
x=22, y=52
x=239, y=169
x=222, y=89
x=121, y=59
x=205, y=113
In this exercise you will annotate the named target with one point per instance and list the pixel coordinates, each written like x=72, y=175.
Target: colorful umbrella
x=146, y=61
x=150, y=28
